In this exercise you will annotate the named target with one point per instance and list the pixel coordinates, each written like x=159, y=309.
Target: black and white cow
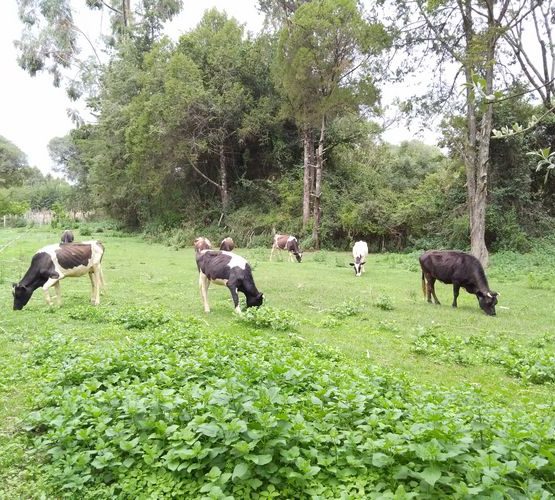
x=231, y=270
x=289, y=243
x=360, y=252
x=67, y=236
x=227, y=244
x=53, y=263
x=459, y=269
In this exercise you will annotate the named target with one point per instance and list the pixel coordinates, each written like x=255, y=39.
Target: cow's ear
x=495, y=294
x=351, y=264
x=479, y=294
x=362, y=263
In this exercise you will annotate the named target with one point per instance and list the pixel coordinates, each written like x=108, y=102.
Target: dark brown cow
x=288, y=243
x=231, y=270
x=53, y=263
x=459, y=269
x=67, y=237
x=227, y=244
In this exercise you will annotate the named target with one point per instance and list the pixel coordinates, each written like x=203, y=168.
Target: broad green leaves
x=185, y=410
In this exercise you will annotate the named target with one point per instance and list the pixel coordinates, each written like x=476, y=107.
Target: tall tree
x=324, y=68
x=465, y=34
x=53, y=41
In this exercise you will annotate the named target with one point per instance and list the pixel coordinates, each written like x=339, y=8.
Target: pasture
x=378, y=321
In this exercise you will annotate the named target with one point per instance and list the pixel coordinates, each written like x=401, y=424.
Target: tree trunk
x=307, y=177
x=319, y=165
x=224, y=191
x=476, y=155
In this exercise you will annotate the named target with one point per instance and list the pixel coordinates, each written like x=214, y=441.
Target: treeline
x=24, y=188
x=204, y=135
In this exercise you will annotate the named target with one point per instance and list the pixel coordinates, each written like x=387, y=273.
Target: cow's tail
x=423, y=285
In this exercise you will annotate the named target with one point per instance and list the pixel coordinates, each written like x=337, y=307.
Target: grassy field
x=380, y=319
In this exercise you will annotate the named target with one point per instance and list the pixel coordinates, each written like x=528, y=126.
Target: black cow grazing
x=289, y=243
x=459, y=269
x=67, y=236
x=201, y=243
x=53, y=263
x=227, y=244
x=231, y=270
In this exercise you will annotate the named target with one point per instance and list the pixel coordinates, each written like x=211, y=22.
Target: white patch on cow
x=236, y=260
x=219, y=282
x=291, y=238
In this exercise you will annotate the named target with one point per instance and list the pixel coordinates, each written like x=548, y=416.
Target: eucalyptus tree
x=54, y=38
x=464, y=36
x=326, y=58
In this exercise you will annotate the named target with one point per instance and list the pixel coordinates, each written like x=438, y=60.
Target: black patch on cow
x=39, y=272
x=74, y=255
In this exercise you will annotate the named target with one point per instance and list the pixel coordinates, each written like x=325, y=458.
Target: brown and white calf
x=53, y=263
x=202, y=243
x=231, y=270
x=288, y=243
x=227, y=244
x=459, y=269
x=67, y=236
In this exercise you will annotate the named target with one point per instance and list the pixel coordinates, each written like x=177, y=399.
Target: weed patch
x=187, y=413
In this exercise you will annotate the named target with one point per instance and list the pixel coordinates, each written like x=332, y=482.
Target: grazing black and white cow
x=289, y=243
x=53, y=263
x=231, y=270
x=67, y=236
x=360, y=252
x=227, y=244
x=459, y=269
x=201, y=243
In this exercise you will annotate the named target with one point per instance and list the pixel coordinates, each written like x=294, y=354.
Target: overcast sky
x=33, y=111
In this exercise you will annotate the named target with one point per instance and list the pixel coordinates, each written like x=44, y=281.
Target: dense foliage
x=186, y=412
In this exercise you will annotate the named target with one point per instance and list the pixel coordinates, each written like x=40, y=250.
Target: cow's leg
x=100, y=281
x=203, y=283
x=94, y=275
x=272, y=252
x=233, y=290
x=50, y=282
x=431, y=284
x=58, y=293
x=456, y=289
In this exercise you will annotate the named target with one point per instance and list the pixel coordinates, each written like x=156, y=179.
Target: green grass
x=374, y=320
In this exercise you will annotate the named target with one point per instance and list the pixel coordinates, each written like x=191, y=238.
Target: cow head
x=21, y=295
x=255, y=301
x=358, y=267
x=487, y=302
x=299, y=256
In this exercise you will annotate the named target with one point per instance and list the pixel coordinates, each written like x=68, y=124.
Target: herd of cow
x=54, y=262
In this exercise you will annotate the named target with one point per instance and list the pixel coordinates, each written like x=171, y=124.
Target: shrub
x=384, y=303
x=185, y=413
x=268, y=317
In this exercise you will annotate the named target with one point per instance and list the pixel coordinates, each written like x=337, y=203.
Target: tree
x=466, y=33
x=14, y=169
x=51, y=37
x=324, y=68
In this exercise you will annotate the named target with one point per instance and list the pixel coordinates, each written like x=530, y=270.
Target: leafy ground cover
x=313, y=394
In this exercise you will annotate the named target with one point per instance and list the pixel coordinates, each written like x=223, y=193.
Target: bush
x=185, y=413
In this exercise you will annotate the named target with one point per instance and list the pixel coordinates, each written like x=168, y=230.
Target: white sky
x=33, y=111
